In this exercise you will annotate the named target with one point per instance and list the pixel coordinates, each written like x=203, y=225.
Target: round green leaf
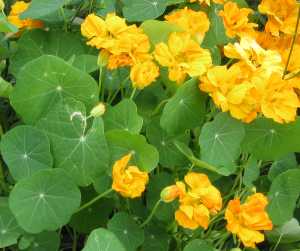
x=103, y=240
x=281, y=165
x=26, y=150
x=50, y=80
x=251, y=173
x=44, y=201
x=9, y=228
x=283, y=195
x=220, y=142
x=127, y=231
x=198, y=245
x=185, y=110
x=35, y=43
x=156, y=238
x=287, y=233
x=268, y=140
x=140, y=10
x=122, y=142
x=46, y=241
x=86, y=63
x=82, y=152
x=123, y=116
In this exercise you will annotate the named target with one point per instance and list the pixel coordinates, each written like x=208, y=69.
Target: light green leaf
x=50, y=80
x=171, y=2
x=82, y=152
x=281, y=165
x=268, y=140
x=9, y=228
x=158, y=31
x=122, y=142
x=6, y=26
x=86, y=63
x=5, y=88
x=26, y=150
x=185, y=110
x=198, y=245
x=35, y=43
x=45, y=241
x=45, y=201
x=103, y=240
x=127, y=231
x=140, y=10
x=169, y=155
x=287, y=233
x=283, y=194
x=220, y=142
x=123, y=116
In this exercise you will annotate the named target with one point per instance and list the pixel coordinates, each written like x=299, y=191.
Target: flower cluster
x=252, y=82
x=248, y=219
x=198, y=199
x=14, y=17
x=129, y=181
x=123, y=45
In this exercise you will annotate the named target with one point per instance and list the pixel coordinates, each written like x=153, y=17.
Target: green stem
x=292, y=46
x=100, y=81
x=65, y=19
x=117, y=91
x=277, y=243
x=149, y=218
x=74, y=246
x=91, y=6
x=91, y=202
x=159, y=106
x=133, y=93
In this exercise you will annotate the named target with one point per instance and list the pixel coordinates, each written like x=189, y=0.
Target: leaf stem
x=133, y=93
x=100, y=81
x=149, y=218
x=91, y=202
x=292, y=46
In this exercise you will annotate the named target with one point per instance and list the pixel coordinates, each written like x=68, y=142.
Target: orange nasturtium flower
x=183, y=56
x=193, y=22
x=236, y=20
x=208, y=1
x=198, y=199
x=129, y=181
x=14, y=17
x=282, y=15
x=248, y=219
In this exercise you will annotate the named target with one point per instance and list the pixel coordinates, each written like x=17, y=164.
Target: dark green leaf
x=156, y=238
x=251, y=173
x=46, y=241
x=199, y=245
x=281, y=165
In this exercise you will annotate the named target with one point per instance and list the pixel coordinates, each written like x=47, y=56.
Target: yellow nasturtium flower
x=236, y=20
x=198, y=199
x=183, y=56
x=14, y=17
x=282, y=15
x=129, y=181
x=208, y=1
x=248, y=219
x=193, y=22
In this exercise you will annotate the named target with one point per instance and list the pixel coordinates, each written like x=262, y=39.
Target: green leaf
x=35, y=43
x=82, y=152
x=287, y=233
x=50, y=80
x=94, y=216
x=281, y=165
x=86, y=63
x=169, y=155
x=216, y=34
x=251, y=173
x=6, y=26
x=42, y=8
x=283, y=194
x=45, y=201
x=268, y=140
x=171, y=2
x=122, y=142
x=140, y=10
x=5, y=88
x=185, y=110
x=158, y=31
x=156, y=238
x=9, y=228
x=123, y=116
x=165, y=211
x=26, y=150
x=46, y=241
x=103, y=240
x=198, y=245
x=220, y=142
x=127, y=231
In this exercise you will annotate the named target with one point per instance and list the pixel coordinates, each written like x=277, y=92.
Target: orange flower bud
x=170, y=193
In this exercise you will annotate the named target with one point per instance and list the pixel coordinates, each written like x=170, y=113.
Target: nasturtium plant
x=141, y=125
